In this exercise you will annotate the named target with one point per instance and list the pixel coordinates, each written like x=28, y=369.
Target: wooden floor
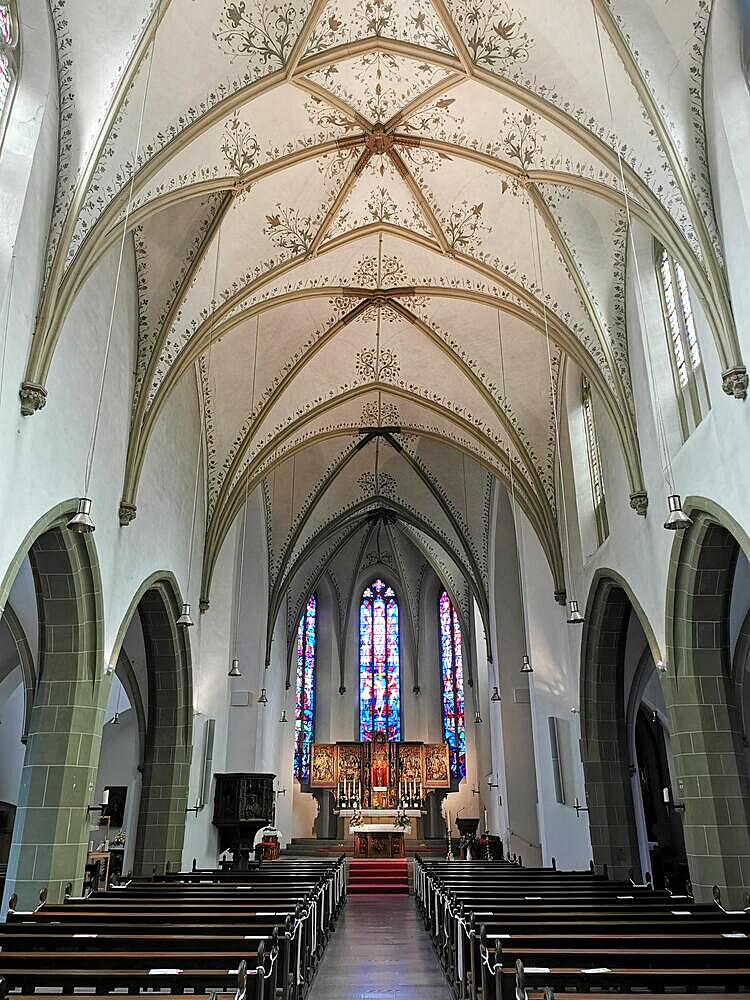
x=380, y=951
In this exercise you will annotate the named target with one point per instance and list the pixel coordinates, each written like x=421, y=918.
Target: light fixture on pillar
x=116, y=716
x=263, y=699
x=185, y=620
x=235, y=668
x=574, y=614
x=81, y=522
x=661, y=666
x=526, y=666
x=574, y=617
x=677, y=519
x=283, y=719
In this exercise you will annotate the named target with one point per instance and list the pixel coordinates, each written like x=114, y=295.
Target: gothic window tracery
x=304, y=712
x=452, y=674
x=379, y=664
x=682, y=340
x=595, y=463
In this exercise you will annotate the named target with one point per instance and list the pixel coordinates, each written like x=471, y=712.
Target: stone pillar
x=604, y=750
x=50, y=836
x=706, y=726
x=168, y=750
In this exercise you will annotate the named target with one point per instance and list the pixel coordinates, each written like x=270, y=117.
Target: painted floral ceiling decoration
x=377, y=232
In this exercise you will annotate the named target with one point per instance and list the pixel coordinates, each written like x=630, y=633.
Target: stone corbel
x=561, y=597
x=639, y=502
x=127, y=513
x=203, y=605
x=734, y=382
x=33, y=397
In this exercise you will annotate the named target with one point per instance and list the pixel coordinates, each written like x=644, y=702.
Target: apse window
x=595, y=463
x=379, y=664
x=452, y=675
x=685, y=358
x=304, y=709
x=8, y=60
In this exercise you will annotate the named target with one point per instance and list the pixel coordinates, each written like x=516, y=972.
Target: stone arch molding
x=69, y=699
x=704, y=711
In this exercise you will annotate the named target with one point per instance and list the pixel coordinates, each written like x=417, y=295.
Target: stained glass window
x=304, y=713
x=452, y=672
x=379, y=664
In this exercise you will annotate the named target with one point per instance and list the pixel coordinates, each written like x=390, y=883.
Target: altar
x=379, y=840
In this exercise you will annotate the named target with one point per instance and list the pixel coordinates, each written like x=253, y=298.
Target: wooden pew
x=186, y=938
x=485, y=918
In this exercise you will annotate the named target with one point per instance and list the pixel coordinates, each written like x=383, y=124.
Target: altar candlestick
x=486, y=827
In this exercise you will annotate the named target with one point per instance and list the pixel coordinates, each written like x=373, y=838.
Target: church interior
x=375, y=489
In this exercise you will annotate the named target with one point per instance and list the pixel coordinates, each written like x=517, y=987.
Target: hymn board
x=380, y=775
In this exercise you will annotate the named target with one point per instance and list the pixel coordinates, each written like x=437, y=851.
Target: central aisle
x=380, y=951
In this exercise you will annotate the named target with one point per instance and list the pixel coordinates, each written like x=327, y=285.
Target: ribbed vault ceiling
x=347, y=216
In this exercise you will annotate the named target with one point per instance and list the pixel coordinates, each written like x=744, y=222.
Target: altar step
x=376, y=877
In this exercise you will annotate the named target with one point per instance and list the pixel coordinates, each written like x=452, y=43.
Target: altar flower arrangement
x=401, y=821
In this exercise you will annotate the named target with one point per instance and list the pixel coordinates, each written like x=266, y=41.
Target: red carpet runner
x=366, y=876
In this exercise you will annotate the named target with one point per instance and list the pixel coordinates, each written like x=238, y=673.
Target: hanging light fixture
x=526, y=667
x=574, y=614
x=234, y=670
x=477, y=718
x=81, y=522
x=185, y=620
x=263, y=699
x=495, y=694
x=283, y=720
x=661, y=666
x=677, y=519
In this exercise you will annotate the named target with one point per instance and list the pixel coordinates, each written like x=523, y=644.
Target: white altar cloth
x=380, y=828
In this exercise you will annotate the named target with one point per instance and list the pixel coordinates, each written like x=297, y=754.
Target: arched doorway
x=604, y=744
x=625, y=745
x=662, y=822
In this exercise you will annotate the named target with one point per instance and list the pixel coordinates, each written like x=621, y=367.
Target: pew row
x=580, y=932
x=180, y=937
